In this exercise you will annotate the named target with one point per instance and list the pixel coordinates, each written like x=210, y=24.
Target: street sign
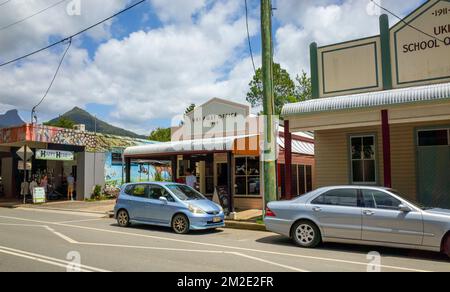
x=21, y=153
x=20, y=165
x=39, y=195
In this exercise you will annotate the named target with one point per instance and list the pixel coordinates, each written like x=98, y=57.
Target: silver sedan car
x=360, y=215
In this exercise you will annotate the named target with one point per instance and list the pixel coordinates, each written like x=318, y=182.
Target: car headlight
x=195, y=209
x=220, y=208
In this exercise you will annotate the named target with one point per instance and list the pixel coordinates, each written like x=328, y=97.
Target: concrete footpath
x=245, y=220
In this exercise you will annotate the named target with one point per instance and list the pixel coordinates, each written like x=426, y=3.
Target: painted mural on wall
x=12, y=135
x=63, y=136
x=140, y=172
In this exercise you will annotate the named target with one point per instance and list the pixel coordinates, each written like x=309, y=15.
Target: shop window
x=309, y=185
x=116, y=158
x=247, y=176
x=301, y=179
x=297, y=183
x=434, y=138
x=363, y=159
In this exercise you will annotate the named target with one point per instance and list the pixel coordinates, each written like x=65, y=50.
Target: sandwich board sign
x=39, y=196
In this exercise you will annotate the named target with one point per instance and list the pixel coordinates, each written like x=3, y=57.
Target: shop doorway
x=222, y=174
x=434, y=167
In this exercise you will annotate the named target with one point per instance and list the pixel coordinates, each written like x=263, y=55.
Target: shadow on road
x=362, y=249
x=168, y=230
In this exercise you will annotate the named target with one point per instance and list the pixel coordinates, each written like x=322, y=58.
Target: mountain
x=10, y=119
x=80, y=116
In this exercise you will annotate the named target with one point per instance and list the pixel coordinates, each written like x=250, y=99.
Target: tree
x=284, y=88
x=303, y=87
x=61, y=122
x=190, y=109
x=161, y=135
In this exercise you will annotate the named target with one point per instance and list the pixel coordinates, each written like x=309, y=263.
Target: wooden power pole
x=270, y=140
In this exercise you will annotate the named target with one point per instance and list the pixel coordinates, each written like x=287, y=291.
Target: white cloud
x=146, y=76
x=326, y=22
x=200, y=52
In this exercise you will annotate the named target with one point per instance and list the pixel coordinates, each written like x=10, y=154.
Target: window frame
x=350, y=158
x=246, y=176
x=306, y=182
x=418, y=131
x=376, y=207
x=139, y=185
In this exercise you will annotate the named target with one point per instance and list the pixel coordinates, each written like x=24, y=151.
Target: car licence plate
x=217, y=219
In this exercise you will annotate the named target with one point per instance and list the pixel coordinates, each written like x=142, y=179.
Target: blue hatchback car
x=167, y=204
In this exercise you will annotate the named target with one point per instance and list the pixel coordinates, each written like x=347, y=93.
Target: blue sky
x=149, y=64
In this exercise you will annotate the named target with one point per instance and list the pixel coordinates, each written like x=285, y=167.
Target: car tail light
x=270, y=213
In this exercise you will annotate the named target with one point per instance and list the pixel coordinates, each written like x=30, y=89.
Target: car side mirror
x=164, y=200
x=404, y=208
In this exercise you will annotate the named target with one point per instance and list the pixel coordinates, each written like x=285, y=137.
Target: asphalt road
x=38, y=240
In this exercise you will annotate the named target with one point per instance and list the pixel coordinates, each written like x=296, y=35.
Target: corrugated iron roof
x=371, y=99
x=299, y=147
x=212, y=144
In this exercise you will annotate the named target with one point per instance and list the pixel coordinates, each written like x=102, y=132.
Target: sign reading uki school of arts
x=414, y=52
x=422, y=57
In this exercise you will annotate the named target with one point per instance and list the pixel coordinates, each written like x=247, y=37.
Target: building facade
x=220, y=142
x=92, y=158
x=381, y=108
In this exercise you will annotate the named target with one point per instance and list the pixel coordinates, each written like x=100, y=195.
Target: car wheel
x=306, y=234
x=123, y=219
x=180, y=224
x=446, y=246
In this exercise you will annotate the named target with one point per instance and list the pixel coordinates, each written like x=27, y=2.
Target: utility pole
x=269, y=156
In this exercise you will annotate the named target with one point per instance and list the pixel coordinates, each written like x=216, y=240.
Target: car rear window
x=128, y=190
x=338, y=197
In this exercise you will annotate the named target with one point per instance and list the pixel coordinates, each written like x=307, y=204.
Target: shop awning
x=411, y=95
x=237, y=144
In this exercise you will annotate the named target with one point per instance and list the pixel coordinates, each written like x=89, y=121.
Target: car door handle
x=317, y=209
x=368, y=213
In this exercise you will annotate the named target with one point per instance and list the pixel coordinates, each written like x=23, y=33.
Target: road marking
x=218, y=245
x=195, y=251
x=269, y=262
x=64, y=237
x=62, y=212
x=79, y=221
x=46, y=259
x=70, y=240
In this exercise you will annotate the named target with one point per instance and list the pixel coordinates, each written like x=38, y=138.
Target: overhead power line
x=53, y=80
x=73, y=35
x=248, y=37
x=4, y=2
x=32, y=15
x=406, y=23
